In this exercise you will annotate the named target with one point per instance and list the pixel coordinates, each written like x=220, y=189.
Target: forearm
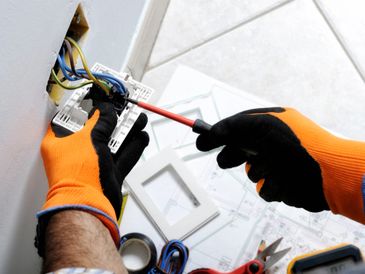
x=78, y=239
x=341, y=162
x=343, y=170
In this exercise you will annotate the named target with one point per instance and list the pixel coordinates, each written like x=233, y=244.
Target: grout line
x=218, y=35
x=339, y=38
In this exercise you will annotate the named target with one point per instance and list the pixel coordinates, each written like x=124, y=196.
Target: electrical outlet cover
x=176, y=204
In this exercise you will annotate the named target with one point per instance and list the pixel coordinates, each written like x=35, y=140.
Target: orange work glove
x=297, y=161
x=83, y=174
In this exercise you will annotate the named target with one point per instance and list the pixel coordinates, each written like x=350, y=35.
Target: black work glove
x=286, y=165
x=115, y=167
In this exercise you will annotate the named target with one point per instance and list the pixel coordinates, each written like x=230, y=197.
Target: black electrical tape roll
x=138, y=245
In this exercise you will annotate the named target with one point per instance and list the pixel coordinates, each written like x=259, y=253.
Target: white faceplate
x=202, y=211
x=72, y=117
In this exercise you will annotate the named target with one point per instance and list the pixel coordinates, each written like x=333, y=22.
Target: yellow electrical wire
x=58, y=81
x=86, y=67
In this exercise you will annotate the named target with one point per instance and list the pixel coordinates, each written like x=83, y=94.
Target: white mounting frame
x=72, y=117
x=198, y=217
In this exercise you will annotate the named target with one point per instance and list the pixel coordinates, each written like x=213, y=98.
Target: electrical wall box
x=77, y=30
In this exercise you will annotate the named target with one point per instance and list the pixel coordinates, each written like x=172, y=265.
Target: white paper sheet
x=232, y=238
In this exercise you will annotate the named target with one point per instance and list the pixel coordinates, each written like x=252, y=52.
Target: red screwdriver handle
x=198, y=125
x=168, y=114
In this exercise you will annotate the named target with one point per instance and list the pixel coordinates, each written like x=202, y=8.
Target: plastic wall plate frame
x=72, y=117
x=200, y=215
x=129, y=115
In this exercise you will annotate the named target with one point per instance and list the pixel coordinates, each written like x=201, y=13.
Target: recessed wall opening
x=77, y=30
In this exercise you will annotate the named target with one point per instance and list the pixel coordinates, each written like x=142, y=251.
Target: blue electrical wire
x=107, y=77
x=173, y=259
x=103, y=76
x=64, y=72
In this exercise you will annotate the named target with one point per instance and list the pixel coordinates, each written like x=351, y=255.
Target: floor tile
x=348, y=22
x=191, y=22
x=289, y=57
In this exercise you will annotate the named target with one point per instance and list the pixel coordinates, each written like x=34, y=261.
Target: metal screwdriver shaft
x=198, y=125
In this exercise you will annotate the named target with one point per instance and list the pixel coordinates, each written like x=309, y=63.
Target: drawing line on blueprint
x=206, y=254
x=211, y=234
x=249, y=238
x=245, y=216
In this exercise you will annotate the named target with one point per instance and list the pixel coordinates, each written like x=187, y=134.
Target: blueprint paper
x=174, y=194
x=245, y=219
x=167, y=133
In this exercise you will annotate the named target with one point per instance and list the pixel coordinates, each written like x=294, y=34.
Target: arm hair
x=76, y=238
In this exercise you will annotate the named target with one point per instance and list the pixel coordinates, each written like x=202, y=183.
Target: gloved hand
x=83, y=174
x=297, y=161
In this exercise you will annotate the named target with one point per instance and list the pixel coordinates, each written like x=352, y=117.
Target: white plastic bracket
x=72, y=117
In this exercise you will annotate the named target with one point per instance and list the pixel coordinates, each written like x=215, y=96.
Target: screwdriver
x=198, y=125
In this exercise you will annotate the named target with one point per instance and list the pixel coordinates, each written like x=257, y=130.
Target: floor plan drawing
x=245, y=219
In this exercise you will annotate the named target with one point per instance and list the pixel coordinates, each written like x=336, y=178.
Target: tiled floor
x=308, y=54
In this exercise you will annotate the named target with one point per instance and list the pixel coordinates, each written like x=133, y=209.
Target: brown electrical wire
x=70, y=57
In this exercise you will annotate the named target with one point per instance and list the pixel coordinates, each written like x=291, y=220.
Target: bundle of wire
x=173, y=259
x=103, y=80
